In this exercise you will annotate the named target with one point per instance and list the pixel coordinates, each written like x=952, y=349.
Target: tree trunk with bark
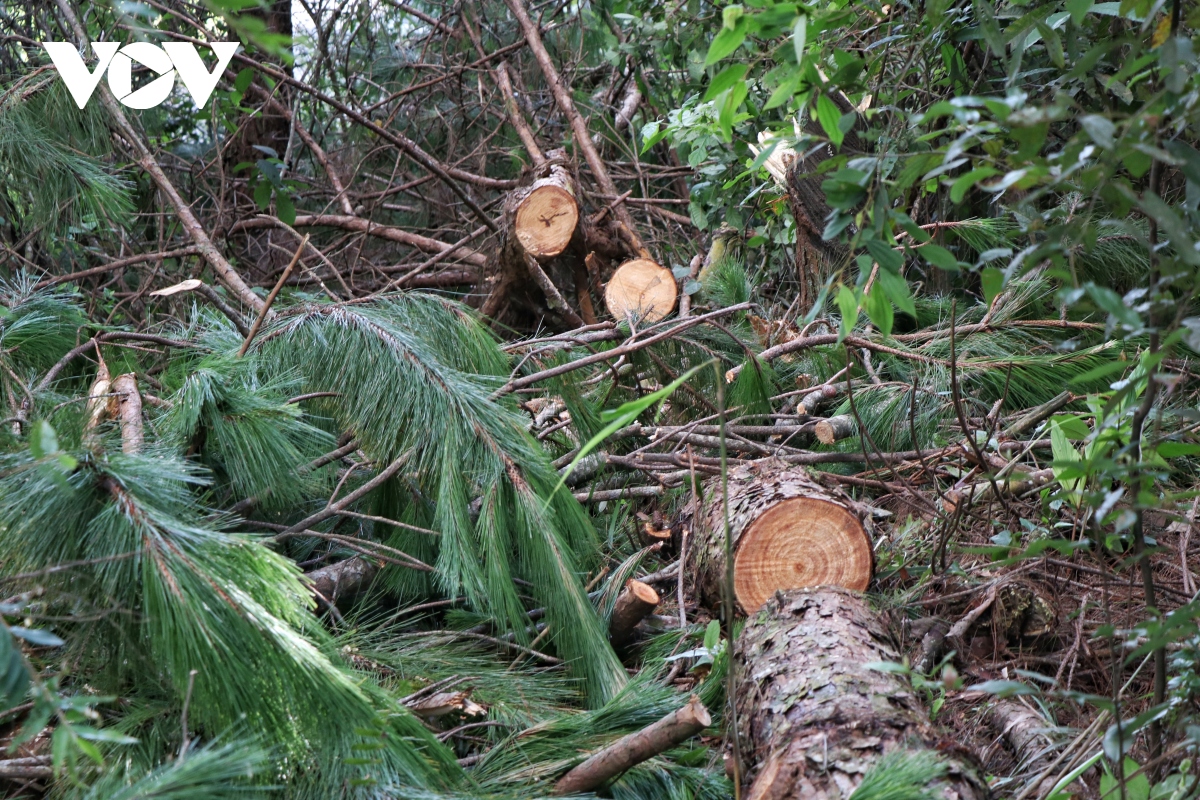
x=815, y=257
x=813, y=717
x=787, y=532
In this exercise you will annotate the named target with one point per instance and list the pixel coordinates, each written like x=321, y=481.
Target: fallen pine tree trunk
x=787, y=532
x=814, y=717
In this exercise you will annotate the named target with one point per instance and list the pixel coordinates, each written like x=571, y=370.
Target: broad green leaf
x=888, y=257
x=897, y=291
x=1078, y=9
x=243, y=80
x=829, y=116
x=1002, y=688
x=712, y=635
x=14, y=679
x=724, y=80
x=1064, y=452
x=963, y=184
x=939, y=256
x=1108, y=300
x=1177, y=449
x=725, y=42
x=285, y=208
x=991, y=280
x=42, y=439
x=623, y=415
x=1101, y=129
x=847, y=303
x=879, y=309
x=799, y=34
x=728, y=116
x=1072, y=425
x=37, y=637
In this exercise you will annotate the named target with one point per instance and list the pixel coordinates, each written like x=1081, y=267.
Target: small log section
x=787, y=531
x=676, y=727
x=543, y=216
x=641, y=289
x=636, y=602
x=813, y=719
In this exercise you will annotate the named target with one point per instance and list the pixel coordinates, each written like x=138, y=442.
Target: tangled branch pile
x=646, y=400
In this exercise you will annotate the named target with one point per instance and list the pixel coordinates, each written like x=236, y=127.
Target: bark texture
x=636, y=602
x=343, y=579
x=787, y=531
x=813, y=718
x=676, y=727
x=129, y=412
x=815, y=257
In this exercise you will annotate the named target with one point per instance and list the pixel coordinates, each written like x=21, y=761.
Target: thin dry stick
x=262, y=314
x=187, y=701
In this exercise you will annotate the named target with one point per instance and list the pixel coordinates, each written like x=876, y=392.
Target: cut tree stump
x=642, y=289
x=787, y=532
x=813, y=717
x=636, y=602
x=543, y=216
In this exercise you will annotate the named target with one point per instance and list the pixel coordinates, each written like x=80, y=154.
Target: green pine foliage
x=415, y=375
x=196, y=596
x=902, y=775
x=52, y=176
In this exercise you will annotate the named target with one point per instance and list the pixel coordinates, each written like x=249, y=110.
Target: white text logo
x=164, y=61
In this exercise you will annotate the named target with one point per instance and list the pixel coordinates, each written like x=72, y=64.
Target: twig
x=187, y=701
x=676, y=727
x=266, y=306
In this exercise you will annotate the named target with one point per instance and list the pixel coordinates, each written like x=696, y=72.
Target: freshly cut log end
x=545, y=220
x=636, y=602
x=787, y=532
x=835, y=429
x=814, y=717
x=642, y=289
x=801, y=542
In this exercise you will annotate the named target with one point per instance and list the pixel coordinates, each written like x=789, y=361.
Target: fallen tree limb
x=180, y=252
x=629, y=347
x=129, y=412
x=671, y=730
x=361, y=225
x=224, y=270
x=583, y=137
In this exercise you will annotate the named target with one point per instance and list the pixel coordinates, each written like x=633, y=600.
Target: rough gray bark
x=343, y=579
x=812, y=717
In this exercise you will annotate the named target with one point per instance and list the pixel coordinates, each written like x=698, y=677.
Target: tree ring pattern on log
x=642, y=289
x=786, y=532
x=545, y=220
x=800, y=542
